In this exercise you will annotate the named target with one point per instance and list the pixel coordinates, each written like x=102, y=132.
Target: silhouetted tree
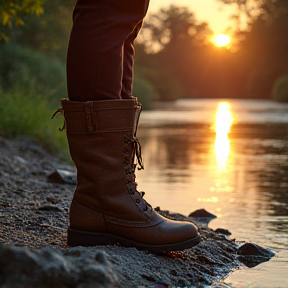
x=265, y=46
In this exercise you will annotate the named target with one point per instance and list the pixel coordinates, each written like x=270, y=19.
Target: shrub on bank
x=280, y=89
x=23, y=67
x=144, y=91
x=24, y=113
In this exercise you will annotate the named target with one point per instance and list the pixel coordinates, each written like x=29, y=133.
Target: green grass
x=24, y=114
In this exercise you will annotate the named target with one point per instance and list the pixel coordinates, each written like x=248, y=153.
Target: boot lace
x=130, y=167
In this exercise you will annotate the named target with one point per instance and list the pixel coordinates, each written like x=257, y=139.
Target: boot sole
x=82, y=238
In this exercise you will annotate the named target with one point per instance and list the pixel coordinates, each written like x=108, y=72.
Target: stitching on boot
x=128, y=223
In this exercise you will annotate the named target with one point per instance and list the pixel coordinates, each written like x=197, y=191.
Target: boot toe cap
x=178, y=231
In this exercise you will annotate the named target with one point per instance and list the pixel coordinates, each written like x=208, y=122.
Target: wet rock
x=251, y=254
x=251, y=249
x=62, y=177
x=223, y=231
x=202, y=213
x=201, y=216
x=220, y=285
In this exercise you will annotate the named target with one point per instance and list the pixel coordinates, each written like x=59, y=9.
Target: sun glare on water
x=221, y=40
x=223, y=123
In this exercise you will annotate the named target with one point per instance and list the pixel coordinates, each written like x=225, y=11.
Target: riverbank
x=34, y=203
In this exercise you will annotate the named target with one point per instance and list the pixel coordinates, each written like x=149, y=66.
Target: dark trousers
x=101, y=51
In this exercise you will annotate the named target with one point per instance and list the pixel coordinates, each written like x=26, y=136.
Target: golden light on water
x=223, y=123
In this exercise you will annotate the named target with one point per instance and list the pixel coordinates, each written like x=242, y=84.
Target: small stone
x=50, y=207
x=62, y=177
x=20, y=160
x=251, y=249
x=52, y=200
x=223, y=231
x=101, y=257
x=251, y=254
x=202, y=213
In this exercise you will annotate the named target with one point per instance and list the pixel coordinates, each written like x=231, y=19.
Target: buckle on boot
x=89, y=115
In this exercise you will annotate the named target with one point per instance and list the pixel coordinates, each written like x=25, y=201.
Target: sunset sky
x=211, y=11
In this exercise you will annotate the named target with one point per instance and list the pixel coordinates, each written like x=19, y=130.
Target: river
x=231, y=158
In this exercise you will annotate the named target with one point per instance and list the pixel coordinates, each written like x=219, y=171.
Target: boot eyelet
x=145, y=209
x=131, y=192
x=138, y=201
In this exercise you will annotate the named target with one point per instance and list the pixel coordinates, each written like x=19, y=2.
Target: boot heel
x=81, y=238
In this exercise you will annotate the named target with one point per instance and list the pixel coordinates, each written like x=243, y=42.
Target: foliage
x=48, y=33
x=25, y=68
x=176, y=36
x=161, y=76
x=172, y=24
x=265, y=48
x=144, y=91
x=280, y=89
x=25, y=113
x=12, y=11
x=251, y=10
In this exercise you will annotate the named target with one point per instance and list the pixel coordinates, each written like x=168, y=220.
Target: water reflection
x=223, y=123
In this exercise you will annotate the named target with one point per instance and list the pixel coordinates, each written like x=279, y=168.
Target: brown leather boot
x=107, y=209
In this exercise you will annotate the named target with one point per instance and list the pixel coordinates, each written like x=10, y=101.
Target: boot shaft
x=102, y=143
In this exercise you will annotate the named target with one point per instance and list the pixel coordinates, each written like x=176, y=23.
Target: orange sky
x=211, y=11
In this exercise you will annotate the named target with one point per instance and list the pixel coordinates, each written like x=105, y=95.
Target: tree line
x=174, y=56
x=188, y=64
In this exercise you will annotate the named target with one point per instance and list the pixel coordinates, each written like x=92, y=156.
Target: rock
x=101, y=257
x=62, y=177
x=52, y=200
x=202, y=213
x=251, y=254
x=223, y=231
x=220, y=285
x=47, y=267
x=251, y=249
x=20, y=160
x=50, y=207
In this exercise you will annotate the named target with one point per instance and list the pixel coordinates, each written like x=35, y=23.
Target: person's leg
x=128, y=63
x=96, y=47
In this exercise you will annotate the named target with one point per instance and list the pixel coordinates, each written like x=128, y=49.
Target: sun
x=221, y=40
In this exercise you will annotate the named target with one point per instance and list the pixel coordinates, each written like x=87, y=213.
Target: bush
x=25, y=114
x=144, y=91
x=280, y=89
x=25, y=68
